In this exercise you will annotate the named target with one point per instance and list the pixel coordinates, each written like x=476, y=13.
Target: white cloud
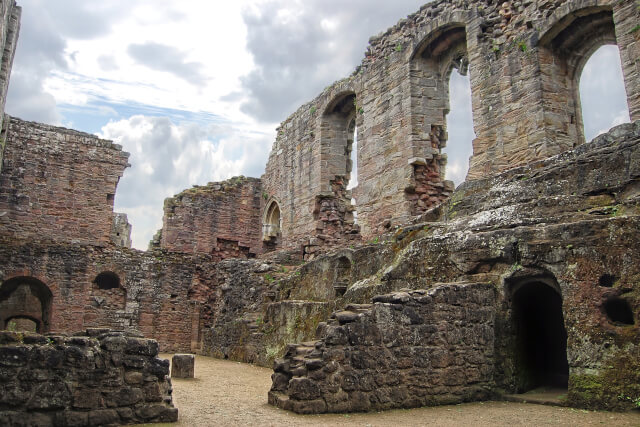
x=167, y=158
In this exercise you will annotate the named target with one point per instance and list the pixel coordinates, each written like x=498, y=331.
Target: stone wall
x=409, y=349
x=58, y=184
x=221, y=218
x=9, y=29
x=158, y=294
x=524, y=60
x=121, y=230
x=558, y=235
x=95, y=378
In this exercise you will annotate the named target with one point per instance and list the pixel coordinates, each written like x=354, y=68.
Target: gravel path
x=228, y=393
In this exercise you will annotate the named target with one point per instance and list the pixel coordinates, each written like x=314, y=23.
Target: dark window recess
x=607, y=280
x=618, y=310
x=107, y=280
x=110, y=197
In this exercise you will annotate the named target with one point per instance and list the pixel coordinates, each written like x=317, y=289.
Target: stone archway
x=540, y=336
x=26, y=298
x=271, y=225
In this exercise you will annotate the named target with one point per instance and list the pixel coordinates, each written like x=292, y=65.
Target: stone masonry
x=524, y=59
x=221, y=218
x=121, y=230
x=545, y=223
x=89, y=379
x=9, y=28
x=58, y=184
x=410, y=349
x=557, y=242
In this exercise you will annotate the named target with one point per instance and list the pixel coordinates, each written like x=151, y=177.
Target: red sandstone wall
x=160, y=294
x=58, y=184
x=221, y=218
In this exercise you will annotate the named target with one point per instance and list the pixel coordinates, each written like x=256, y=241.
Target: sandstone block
x=182, y=366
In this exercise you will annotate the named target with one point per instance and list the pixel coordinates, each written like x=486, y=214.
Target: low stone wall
x=98, y=378
x=408, y=349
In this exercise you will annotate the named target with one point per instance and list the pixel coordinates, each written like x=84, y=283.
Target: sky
x=194, y=90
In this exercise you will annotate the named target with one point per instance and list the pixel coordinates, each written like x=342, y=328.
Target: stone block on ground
x=182, y=366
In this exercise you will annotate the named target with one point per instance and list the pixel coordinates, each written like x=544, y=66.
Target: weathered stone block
x=183, y=366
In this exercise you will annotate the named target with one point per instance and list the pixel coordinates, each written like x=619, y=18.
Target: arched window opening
x=573, y=84
x=338, y=134
x=271, y=226
x=541, y=337
x=459, y=147
x=107, y=280
x=441, y=117
x=25, y=301
x=602, y=93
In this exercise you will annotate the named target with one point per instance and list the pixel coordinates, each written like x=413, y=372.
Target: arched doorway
x=271, y=226
x=540, y=336
x=25, y=298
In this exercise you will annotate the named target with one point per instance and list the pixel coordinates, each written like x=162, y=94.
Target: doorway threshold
x=553, y=396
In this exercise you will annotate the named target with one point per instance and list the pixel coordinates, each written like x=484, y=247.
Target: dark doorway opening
x=541, y=338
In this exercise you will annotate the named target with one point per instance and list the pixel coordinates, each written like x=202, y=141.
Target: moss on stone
x=616, y=387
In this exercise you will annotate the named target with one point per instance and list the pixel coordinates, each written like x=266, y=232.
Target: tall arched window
x=564, y=51
x=437, y=87
x=338, y=138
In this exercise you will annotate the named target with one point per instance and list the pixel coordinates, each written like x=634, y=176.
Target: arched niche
x=271, y=226
x=342, y=276
x=107, y=280
x=539, y=335
x=564, y=49
x=26, y=298
x=23, y=324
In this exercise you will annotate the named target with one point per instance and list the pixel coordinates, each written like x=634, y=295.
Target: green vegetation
x=313, y=109
x=634, y=29
x=399, y=47
x=615, y=387
x=522, y=45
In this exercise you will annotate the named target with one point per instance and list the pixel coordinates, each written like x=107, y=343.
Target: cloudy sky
x=194, y=90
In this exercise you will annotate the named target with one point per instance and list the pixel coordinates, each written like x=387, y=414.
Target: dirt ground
x=228, y=393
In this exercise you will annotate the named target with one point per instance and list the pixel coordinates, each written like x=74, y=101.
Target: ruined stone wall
x=524, y=60
x=121, y=230
x=563, y=230
x=9, y=29
x=158, y=294
x=221, y=218
x=58, y=184
x=88, y=379
x=407, y=350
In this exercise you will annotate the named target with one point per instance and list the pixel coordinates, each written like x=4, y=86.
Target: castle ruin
x=525, y=275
